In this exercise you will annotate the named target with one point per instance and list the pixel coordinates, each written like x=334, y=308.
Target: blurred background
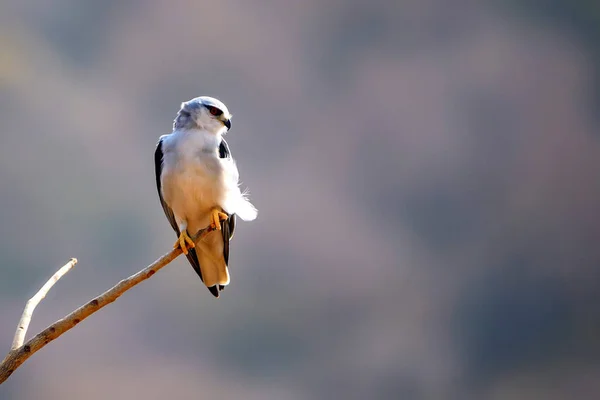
x=427, y=174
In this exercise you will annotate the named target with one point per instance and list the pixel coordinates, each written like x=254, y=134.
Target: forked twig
x=19, y=338
x=20, y=352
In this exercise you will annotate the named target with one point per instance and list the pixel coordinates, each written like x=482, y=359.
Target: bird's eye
x=214, y=111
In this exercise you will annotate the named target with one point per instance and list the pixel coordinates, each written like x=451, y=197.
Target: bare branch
x=18, y=356
x=34, y=301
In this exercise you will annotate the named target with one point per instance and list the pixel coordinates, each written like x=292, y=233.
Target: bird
x=198, y=187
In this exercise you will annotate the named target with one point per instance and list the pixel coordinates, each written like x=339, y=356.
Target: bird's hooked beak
x=227, y=123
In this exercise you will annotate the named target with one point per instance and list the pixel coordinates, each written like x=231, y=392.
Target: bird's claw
x=216, y=217
x=184, y=242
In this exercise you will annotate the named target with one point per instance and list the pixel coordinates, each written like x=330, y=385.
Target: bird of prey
x=198, y=186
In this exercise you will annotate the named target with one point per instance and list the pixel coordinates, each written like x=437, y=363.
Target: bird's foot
x=184, y=242
x=216, y=216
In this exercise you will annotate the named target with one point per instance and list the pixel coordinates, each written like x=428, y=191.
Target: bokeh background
x=427, y=174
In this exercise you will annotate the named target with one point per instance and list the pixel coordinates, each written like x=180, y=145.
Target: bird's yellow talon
x=184, y=242
x=216, y=217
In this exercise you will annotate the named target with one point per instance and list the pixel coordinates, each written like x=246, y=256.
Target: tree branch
x=19, y=353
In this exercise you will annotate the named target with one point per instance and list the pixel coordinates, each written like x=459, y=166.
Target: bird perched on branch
x=198, y=186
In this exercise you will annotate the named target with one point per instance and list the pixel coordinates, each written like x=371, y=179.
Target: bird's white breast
x=191, y=178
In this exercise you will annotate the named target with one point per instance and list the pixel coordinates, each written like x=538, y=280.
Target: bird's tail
x=215, y=273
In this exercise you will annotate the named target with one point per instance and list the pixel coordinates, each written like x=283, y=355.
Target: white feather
x=236, y=202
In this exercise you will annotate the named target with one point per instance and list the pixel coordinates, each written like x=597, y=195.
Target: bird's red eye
x=214, y=111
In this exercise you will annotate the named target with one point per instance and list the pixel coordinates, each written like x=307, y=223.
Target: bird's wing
x=227, y=226
x=158, y=162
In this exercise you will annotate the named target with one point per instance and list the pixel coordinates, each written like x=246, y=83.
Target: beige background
x=427, y=175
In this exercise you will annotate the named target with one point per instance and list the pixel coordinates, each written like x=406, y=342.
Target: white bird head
x=204, y=112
